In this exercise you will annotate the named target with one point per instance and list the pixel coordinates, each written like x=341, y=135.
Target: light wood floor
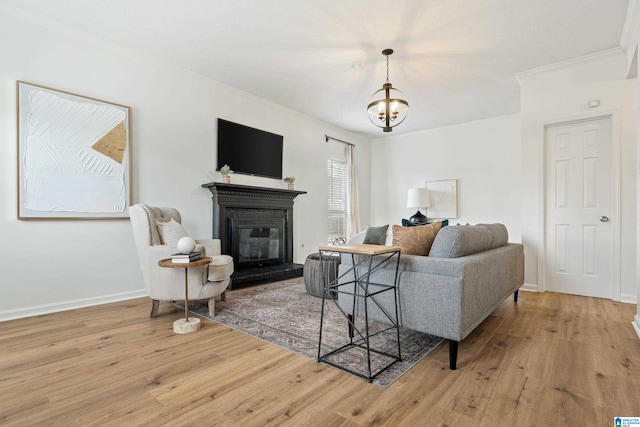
x=550, y=360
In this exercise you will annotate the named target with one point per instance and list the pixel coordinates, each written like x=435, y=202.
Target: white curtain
x=353, y=210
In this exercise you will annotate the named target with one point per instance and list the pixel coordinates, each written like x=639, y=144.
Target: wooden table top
x=167, y=263
x=359, y=248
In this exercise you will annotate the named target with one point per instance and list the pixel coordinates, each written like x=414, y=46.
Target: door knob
x=604, y=218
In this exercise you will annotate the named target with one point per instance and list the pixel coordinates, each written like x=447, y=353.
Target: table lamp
x=418, y=198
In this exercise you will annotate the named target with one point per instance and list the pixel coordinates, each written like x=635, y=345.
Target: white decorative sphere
x=186, y=245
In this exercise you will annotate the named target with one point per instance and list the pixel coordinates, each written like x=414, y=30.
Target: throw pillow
x=375, y=235
x=170, y=232
x=415, y=240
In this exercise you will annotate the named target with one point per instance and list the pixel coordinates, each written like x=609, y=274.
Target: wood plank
x=549, y=359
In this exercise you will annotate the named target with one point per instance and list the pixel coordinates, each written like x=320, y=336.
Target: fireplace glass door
x=257, y=242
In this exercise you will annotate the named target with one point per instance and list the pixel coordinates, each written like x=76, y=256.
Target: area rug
x=285, y=315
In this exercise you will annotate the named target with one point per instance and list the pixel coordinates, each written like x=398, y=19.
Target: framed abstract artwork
x=444, y=199
x=74, y=156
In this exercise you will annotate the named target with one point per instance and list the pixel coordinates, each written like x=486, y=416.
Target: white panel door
x=578, y=188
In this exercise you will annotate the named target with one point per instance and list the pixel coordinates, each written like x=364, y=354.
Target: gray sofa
x=469, y=272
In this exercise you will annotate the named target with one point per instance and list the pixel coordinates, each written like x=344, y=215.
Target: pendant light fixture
x=388, y=106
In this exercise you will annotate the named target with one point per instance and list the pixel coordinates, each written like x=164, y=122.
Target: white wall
x=636, y=319
x=562, y=92
x=484, y=156
x=631, y=38
x=54, y=265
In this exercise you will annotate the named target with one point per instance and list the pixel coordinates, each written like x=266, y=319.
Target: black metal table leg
x=362, y=291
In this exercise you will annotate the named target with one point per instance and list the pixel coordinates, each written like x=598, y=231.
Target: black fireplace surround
x=255, y=227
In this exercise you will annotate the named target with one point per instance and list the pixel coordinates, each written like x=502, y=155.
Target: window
x=337, y=219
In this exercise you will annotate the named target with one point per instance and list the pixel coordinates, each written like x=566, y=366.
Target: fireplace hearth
x=255, y=227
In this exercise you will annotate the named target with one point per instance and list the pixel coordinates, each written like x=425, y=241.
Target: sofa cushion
x=170, y=232
x=415, y=240
x=499, y=234
x=375, y=235
x=461, y=240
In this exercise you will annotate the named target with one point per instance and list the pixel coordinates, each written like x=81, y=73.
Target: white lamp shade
x=418, y=198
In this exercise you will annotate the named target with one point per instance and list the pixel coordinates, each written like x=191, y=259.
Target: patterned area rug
x=285, y=315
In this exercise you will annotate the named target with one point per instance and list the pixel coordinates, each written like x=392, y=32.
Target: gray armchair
x=167, y=284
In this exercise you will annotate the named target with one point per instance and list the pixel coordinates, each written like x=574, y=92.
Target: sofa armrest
x=487, y=279
x=358, y=238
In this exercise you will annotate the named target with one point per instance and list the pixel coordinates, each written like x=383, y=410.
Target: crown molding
x=630, y=23
x=573, y=61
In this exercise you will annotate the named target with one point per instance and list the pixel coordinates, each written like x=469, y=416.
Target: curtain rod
x=327, y=138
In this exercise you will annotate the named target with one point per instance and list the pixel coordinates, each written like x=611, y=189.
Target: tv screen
x=249, y=151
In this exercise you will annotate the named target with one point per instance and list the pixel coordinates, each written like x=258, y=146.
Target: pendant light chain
x=387, y=69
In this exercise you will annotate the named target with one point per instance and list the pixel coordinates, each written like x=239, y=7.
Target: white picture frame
x=74, y=155
x=444, y=199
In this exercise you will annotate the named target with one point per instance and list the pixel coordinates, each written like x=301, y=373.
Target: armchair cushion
x=170, y=232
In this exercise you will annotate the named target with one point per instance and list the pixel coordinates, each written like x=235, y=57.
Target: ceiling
x=455, y=60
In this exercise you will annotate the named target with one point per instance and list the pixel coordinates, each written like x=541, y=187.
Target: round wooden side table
x=186, y=325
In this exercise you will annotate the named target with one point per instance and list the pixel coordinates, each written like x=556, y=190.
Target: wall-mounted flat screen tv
x=249, y=151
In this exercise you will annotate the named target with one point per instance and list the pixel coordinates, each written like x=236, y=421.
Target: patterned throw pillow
x=415, y=240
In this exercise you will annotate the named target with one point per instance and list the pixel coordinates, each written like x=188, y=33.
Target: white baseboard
x=529, y=287
x=626, y=298
x=636, y=324
x=38, y=310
